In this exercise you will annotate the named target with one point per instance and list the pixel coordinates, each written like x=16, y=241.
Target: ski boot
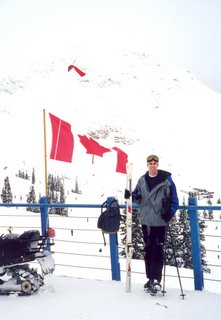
x=147, y=286
x=155, y=287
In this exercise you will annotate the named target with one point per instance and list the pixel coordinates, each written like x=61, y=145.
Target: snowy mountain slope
x=158, y=108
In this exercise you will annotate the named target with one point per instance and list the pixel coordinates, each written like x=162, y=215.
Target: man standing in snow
x=156, y=194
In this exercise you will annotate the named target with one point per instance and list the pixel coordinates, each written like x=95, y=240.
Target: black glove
x=127, y=194
x=167, y=216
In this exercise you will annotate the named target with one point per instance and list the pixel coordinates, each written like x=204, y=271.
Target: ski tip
x=129, y=167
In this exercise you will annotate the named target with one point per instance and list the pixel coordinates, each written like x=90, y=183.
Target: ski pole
x=164, y=262
x=164, y=276
x=178, y=274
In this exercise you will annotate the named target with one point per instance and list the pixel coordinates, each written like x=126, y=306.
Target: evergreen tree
x=210, y=212
x=202, y=225
x=171, y=238
x=76, y=189
x=76, y=186
x=56, y=194
x=33, y=176
x=61, y=211
x=6, y=194
x=181, y=241
x=178, y=239
x=31, y=198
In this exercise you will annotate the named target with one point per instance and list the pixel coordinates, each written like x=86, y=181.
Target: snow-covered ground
x=82, y=299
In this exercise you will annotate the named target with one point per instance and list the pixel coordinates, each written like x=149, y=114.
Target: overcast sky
x=184, y=32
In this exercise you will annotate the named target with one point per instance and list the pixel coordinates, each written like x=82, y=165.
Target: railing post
x=196, y=248
x=115, y=265
x=44, y=218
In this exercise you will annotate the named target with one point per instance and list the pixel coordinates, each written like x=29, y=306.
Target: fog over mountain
x=184, y=32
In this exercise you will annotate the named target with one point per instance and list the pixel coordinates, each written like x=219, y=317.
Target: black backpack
x=109, y=219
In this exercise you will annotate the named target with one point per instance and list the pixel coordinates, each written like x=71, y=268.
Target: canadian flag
x=62, y=140
x=63, y=145
x=122, y=159
x=80, y=72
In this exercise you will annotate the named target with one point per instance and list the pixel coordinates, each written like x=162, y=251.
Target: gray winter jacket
x=150, y=202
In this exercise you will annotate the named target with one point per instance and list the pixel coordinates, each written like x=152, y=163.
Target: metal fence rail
x=192, y=209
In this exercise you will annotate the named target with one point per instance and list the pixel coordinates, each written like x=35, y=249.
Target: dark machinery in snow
x=17, y=251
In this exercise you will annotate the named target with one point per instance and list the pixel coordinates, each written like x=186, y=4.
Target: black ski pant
x=154, y=239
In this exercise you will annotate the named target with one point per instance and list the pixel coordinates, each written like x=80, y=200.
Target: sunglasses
x=152, y=158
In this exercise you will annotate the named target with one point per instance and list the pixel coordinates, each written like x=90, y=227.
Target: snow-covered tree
x=33, y=176
x=56, y=194
x=6, y=194
x=179, y=240
x=31, y=198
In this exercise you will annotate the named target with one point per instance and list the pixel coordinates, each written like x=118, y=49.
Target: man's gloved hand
x=127, y=194
x=167, y=216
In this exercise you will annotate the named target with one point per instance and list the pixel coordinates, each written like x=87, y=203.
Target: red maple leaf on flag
x=122, y=159
x=80, y=72
x=92, y=146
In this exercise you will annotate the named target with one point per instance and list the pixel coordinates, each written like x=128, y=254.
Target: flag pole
x=45, y=155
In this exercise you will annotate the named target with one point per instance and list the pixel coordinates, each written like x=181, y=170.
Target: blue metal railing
x=192, y=207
